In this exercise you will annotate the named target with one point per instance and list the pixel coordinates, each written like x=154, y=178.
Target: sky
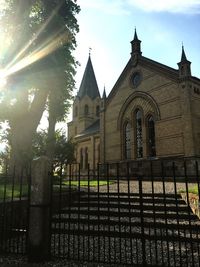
x=107, y=26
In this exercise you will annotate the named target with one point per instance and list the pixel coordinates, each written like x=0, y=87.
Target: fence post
x=39, y=212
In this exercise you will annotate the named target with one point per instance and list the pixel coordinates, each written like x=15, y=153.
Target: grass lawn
x=16, y=193
x=24, y=190
x=92, y=183
x=193, y=190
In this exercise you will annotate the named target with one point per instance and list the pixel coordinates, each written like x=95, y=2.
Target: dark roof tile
x=89, y=85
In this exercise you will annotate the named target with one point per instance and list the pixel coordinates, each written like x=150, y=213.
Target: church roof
x=92, y=129
x=89, y=85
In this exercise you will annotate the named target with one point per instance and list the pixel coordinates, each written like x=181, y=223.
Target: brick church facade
x=153, y=111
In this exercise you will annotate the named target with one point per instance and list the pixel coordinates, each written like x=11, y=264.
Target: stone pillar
x=39, y=217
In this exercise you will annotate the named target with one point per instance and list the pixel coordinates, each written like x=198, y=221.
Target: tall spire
x=104, y=93
x=89, y=85
x=135, y=36
x=184, y=65
x=183, y=56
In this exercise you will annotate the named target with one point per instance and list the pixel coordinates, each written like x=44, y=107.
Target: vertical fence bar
x=4, y=215
x=88, y=217
x=69, y=216
x=108, y=199
x=50, y=174
x=119, y=212
x=189, y=211
x=59, y=211
x=174, y=242
x=154, y=213
x=165, y=211
x=130, y=212
x=11, y=212
x=98, y=215
x=18, y=227
x=79, y=209
x=73, y=200
x=198, y=207
x=115, y=226
x=177, y=211
x=29, y=182
x=144, y=262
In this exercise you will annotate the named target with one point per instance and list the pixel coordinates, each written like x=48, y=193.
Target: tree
x=64, y=149
x=40, y=68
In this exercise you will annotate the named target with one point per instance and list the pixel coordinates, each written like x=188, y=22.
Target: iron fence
x=138, y=213
x=14, y=206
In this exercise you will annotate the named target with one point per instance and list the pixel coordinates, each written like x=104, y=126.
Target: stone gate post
x=39, y=215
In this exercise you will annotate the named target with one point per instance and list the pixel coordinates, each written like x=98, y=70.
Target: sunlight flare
x=3, y=80
x=51, y=44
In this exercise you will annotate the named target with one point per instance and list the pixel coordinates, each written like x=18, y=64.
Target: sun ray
x=50, y=45
x=24, y=49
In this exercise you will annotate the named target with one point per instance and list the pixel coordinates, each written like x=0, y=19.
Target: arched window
x=127, y=140
x=97, y=111
x=86, y=158
x=86, y=110
x=139, y=143
x=81, y=158
x=151, y=136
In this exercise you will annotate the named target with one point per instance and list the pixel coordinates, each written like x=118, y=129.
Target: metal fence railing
x=137, y=213
x=14, y=207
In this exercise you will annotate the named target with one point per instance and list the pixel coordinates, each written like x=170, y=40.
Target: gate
x=138, y=213
x=14, y=206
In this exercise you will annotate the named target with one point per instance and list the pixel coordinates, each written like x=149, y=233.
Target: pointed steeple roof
x=135, y=36
x=104, y=93
x=184, y=65
x=183, y=56
x=89, y=85
x=136, y=43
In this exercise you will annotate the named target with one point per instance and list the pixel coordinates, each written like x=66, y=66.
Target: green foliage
x=64, y=149
x=30, y=26
x=39, y=39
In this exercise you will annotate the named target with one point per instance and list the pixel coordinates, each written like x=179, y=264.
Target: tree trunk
x=51, y=137
x=23, y=126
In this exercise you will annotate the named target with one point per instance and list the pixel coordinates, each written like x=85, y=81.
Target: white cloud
x=121, y=7
x=173, y=6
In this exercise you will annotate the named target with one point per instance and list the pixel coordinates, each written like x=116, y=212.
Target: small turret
x=103, y=100
x=136, y=49
x=104, y=93
x=184, y=66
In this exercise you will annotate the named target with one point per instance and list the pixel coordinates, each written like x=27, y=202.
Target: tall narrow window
x=81, y=158
x=151, y=137
x=86, y=110
x=127, y=141
x=139, y=145
x=86, y=158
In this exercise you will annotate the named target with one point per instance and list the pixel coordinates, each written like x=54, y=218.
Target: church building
x=153, y=111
